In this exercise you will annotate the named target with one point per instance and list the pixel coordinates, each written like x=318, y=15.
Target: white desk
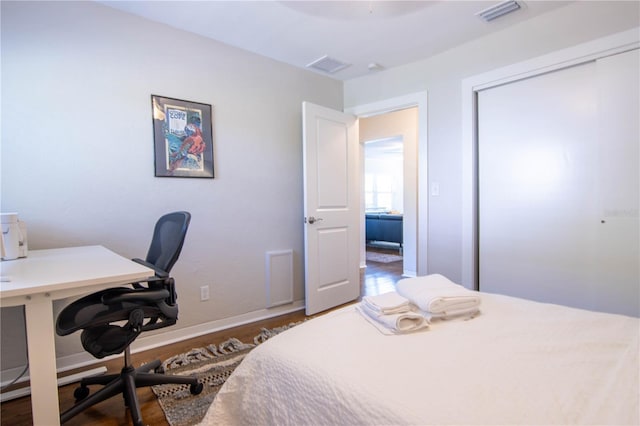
x=39, y=279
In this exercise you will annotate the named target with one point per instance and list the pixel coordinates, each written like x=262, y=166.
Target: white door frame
x=606, y=46
x=419, y=100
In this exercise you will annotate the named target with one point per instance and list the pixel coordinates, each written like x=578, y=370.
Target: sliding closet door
x=536, y=160
x=558, y=187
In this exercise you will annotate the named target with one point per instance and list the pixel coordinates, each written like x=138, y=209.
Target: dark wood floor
x=378, y=278
x=375, y=279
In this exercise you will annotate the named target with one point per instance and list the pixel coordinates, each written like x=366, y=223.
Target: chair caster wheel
x=159, y=370
x=81, y=393
x=196, y=388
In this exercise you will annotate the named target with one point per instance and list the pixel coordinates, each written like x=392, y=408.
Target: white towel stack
x=391, y=313
x=439, y=297
x=387, y=303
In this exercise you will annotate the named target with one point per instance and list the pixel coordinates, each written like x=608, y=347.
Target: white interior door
x=331, y=207
x=558, y=186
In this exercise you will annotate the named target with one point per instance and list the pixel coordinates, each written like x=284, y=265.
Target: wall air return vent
x=498, y=10
x=327, y=64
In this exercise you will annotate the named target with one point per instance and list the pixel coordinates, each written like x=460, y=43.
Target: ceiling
x=358, y=33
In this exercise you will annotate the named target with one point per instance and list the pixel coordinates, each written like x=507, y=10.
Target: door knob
x=313, y=220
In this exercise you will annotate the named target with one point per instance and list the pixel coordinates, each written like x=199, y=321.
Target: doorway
x=324, y=122
x=389, y=145
x=384, y=208
x=415, y=241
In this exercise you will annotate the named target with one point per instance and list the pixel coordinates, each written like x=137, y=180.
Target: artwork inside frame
x=182, y=138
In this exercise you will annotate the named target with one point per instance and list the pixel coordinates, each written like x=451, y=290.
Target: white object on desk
x=14, y=237
x=48, y=275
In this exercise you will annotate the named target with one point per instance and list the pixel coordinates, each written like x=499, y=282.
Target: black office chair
x=143, y=307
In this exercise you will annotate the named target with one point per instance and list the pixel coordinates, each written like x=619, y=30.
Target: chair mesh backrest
x=168, y=238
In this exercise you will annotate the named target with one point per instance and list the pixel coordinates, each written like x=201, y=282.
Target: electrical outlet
x=204, y=293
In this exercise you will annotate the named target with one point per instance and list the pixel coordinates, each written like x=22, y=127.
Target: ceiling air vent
x=327, y=64
x=498, y=10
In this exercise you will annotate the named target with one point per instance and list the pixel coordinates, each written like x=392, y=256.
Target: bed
x=518, y=362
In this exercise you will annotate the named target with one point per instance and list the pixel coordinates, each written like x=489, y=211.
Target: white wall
x=441, y=76
x=77, y=150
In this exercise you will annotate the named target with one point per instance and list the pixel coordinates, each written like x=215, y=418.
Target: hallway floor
x=378, y=277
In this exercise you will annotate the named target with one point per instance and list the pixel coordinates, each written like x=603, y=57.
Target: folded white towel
x=387, y=303
x=393, y=323
x=462, y=315
x=438, y=295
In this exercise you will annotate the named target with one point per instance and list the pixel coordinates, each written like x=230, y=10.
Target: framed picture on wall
x=182, y=138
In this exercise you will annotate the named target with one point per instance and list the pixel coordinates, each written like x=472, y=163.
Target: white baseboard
x=83, y=359
x=409, y=274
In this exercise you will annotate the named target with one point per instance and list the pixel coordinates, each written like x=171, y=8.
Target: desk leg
x=42, y=361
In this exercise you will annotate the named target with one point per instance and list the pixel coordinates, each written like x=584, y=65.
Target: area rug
x=212, y=365
x=373, y=256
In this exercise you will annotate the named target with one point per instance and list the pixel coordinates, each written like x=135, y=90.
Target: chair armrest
x=159, y=272
x=141, y=295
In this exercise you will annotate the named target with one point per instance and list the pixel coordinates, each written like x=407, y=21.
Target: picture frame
x=182, y=138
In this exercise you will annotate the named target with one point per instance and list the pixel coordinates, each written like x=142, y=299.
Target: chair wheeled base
x=125, y=383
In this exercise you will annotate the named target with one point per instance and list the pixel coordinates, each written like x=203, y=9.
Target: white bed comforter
x=519, y=362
